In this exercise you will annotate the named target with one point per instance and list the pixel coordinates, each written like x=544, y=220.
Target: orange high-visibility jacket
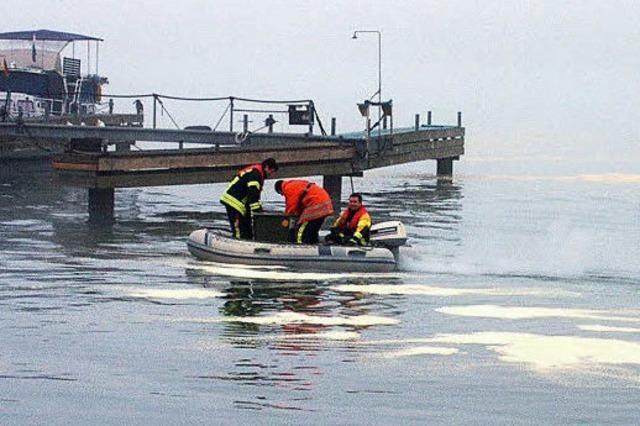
x=306, y=200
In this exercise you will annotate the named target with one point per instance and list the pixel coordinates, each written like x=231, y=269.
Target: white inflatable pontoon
x=381, y=256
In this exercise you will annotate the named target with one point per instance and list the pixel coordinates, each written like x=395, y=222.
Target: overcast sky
x=532, y=78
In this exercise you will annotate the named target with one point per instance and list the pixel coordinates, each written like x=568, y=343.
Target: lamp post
x=355, y=36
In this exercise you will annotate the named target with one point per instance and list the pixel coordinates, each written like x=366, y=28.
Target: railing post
x=459, y=118
x=417, y=124
x=155, y=101
x=311, y=117
x=231, y=114
x=428, y=118
x=270, y=121
x=245, y=123
x=333, y=126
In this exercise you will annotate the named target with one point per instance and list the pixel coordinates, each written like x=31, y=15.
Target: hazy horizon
x=532, y=78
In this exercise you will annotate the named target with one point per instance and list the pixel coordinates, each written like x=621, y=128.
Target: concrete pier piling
x=101, y=205
x=444, y=167
x=333, y=185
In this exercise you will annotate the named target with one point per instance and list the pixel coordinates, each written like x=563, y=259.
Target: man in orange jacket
x=310, y=202
x=353, y=224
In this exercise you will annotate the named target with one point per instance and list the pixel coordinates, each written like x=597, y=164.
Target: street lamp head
x=355, y=36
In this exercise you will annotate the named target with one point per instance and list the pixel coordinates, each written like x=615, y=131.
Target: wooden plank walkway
x=298, y=156
x=88, y=162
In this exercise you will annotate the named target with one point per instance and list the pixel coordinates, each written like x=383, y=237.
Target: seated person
x=353, y=225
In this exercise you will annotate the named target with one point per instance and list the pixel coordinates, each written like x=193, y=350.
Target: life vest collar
x=352, y=223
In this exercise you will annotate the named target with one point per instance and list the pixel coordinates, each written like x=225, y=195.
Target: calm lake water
x=517, y=303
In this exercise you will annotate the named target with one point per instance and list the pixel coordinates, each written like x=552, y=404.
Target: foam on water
x=188, y=263
x=425, y=290
x=605, y=328
x=283, y=318
x=419, y=350
x=323, y=335
x=517, y=312
x=270, y=272
x=542, y=352
x=175, y=294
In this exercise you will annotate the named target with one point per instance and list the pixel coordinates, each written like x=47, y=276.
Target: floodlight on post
x=379, y=92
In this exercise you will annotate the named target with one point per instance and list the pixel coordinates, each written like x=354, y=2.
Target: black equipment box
x=300, y=114
x=272, y=227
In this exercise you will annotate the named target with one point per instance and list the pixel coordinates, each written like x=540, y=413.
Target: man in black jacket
x=242, y=197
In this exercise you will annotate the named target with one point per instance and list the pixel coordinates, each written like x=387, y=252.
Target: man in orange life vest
x=310, y=202
x=353, y=224
x=242, y=197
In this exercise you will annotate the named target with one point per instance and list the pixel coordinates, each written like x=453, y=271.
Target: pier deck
x=89, y=162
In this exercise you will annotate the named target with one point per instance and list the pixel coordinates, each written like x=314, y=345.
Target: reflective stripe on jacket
x=356, y=223
x=244, y=190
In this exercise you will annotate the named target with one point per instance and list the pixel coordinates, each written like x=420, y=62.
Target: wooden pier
x=90, y=160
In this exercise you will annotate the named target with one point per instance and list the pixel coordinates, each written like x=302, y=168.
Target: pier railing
x=101, y=158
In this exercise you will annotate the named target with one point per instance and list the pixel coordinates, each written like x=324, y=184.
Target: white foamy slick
x=425, y=290
x=543, y=353
x=283, y=318
x=272, y=272
x=608, y=329
x=517, y=312
x=174, y=294
x=322, y=335
x=419, y=350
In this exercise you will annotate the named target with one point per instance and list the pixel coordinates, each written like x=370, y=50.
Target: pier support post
x=445, y=167
x=101, y=201
x=124, y=146
x=333, y=185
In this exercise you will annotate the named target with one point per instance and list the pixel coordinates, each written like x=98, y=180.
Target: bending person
x=242, y=197
x=310, y=202
x=353, y=226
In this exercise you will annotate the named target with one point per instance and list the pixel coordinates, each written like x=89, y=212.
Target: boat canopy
x=46, y=35
x=38, y=48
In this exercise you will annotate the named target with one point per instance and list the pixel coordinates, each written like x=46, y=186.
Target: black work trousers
x=240, y=225
x=307, y=233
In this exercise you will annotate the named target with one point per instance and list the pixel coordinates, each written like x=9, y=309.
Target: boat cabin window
x=26, y=105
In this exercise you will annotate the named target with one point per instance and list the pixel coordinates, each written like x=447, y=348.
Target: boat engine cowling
x=389, y=234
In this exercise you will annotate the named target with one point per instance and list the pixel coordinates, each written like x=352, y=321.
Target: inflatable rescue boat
x=381, y=256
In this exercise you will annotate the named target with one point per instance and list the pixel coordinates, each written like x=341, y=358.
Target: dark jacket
x=243, y=193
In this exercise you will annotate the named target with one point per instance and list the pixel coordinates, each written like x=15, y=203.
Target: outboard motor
x=390, y=234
